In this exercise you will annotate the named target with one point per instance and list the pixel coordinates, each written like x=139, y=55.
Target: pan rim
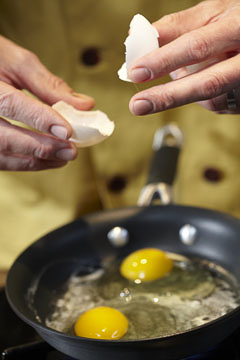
x=43, y=328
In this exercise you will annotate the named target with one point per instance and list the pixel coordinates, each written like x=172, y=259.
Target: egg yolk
x=102, y=323
x=146, y=265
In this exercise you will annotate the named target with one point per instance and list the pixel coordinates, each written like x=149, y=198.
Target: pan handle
x=167, y=144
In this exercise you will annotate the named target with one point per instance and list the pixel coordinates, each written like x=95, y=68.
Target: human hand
x=200, y=49
x=22, y=149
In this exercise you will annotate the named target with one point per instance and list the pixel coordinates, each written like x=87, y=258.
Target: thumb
x=36, y=78
x=171, y=26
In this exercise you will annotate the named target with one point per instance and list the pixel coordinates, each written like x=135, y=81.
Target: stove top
x=20, y=341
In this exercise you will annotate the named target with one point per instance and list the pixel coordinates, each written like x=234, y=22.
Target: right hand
x=22, y=149
x=200, y=49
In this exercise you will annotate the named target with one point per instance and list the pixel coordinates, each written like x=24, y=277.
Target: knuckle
x=172, y=19
x=163, y=65
x=8, y=104
x=176, y=22
x=167, y=100
x=38, y=118
x=199, y=48
x=41, y=117
x=57, y=82
x=212, y=86
x=30, y=164
x=26, y=58
x=43, y=151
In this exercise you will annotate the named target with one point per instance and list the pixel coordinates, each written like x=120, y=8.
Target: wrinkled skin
x=199, y=48
x=23, y=149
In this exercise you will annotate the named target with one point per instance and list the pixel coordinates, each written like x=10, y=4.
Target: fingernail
x=59, y=131
x=65, y=154
x=140, y=74
x=142, y=107
x=82, y=96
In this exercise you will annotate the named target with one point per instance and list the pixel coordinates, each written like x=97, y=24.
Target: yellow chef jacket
x=82, y=42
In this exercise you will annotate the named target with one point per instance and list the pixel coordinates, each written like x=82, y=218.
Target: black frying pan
x=51, y=260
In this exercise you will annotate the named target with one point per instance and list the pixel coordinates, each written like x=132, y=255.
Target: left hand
x=25, y=149
x=200, y=48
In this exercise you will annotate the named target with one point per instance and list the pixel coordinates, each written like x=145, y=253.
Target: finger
x=220, y=104
x=22, y=69
x=16, y=105
x=217, y=105
x=191, y=69
x=48, y=87
x=171, y=26
x=203, y=85
x=26, y=163
x=179, y=73
x=22, y=141
x=194, y=47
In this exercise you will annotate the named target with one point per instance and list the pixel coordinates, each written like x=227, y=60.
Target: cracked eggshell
x=89, y=127
x=142, y=40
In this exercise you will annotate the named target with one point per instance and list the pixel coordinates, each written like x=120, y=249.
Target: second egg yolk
x=146, y=265
x=102, y=323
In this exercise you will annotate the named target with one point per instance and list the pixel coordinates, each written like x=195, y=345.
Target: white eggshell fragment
x=89, y=127
x=142, y=40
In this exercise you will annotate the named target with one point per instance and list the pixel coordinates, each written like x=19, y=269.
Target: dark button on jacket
x=213, y=174
x=117, y=183
x=90, y=56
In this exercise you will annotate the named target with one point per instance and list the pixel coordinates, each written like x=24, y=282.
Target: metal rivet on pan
x=118, y=236
x=188, y=234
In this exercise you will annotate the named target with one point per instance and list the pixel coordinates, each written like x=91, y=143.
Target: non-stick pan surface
x=38, y=274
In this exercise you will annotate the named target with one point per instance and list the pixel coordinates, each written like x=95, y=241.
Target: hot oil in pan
x=193, y=293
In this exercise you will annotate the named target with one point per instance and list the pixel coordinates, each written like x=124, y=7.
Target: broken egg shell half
x=89, y=127
x=142, y=40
